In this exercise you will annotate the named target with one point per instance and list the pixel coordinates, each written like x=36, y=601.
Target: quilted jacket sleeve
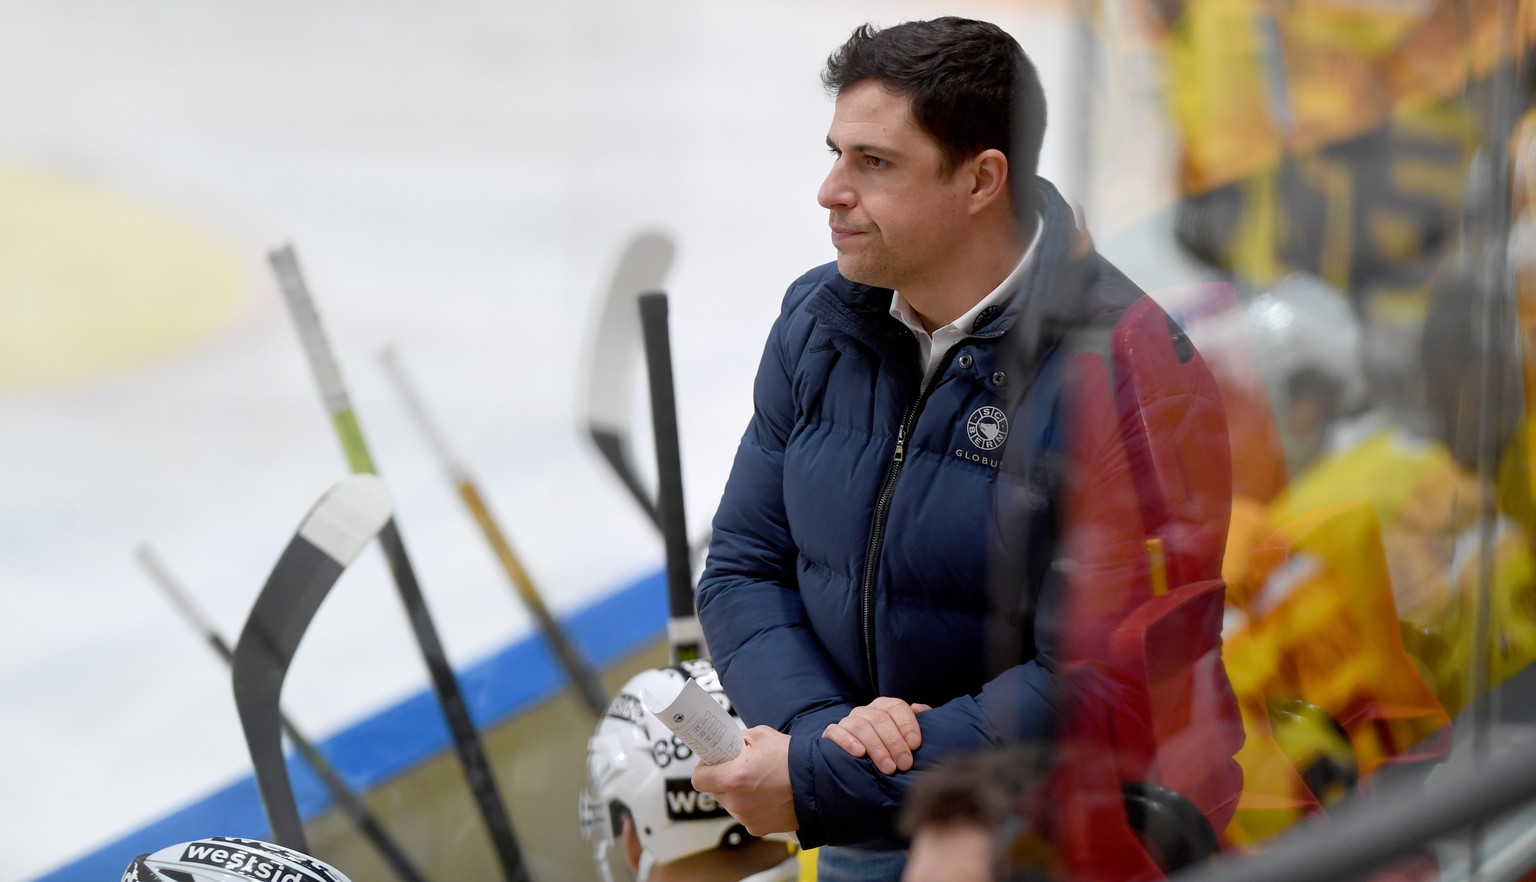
x=843, y=800
x=775, y=669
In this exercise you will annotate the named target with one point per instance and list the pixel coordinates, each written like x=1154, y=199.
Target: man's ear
x=632, y=846
x=989, y=178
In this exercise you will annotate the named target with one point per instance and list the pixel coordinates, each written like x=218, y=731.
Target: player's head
x=1307, y=342
x=640, y=778
x=975, y=818
x=229, y=859
x=970, y=85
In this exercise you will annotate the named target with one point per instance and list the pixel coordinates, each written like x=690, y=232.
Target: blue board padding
x=398, y=738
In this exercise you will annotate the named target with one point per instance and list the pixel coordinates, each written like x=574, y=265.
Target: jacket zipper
x=882, y=508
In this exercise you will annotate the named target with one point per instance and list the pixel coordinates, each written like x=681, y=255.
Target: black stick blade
x=345, y=520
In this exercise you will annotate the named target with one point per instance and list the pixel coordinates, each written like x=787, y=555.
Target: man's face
x=895, y=218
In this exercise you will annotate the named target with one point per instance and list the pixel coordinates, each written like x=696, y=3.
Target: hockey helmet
x=636, y=765
x=1308, y=346
x=229, y=859
x=1303, y=323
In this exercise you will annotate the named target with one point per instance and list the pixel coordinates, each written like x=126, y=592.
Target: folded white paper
x=698, y=720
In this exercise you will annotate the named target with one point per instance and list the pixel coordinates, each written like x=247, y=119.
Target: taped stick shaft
x=417, y=408
x=179, y=598
x=346, y=798
x=285, y=264
x=467, y=744
x=581, y=674
x=466, y=740
x=669, y=470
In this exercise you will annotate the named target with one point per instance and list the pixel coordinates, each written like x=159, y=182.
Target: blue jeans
x=844, y=864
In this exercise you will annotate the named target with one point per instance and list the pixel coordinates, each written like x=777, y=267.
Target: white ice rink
x=457, y=178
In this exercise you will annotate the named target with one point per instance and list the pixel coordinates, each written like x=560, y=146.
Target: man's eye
x=874, y=162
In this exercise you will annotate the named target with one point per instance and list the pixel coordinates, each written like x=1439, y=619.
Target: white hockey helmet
x=1304, y=323
x=229, y=859
x=636, y=765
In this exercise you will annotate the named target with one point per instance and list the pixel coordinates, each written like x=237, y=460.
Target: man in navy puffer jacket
x=905, y=457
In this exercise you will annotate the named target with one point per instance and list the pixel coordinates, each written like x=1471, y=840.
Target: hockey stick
x=611, y=368
x=582, y=675
x=466, y=740
x=683, y=631
x=349, y=802
x=345, y=519
x=642, y=267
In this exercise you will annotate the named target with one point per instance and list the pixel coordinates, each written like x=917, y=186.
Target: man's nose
x=835, y=192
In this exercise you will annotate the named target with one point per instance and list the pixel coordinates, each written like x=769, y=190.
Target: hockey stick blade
x=330, y=537
x=347, y=800
x=615, y=353
x=611, y=368
x=682, y=629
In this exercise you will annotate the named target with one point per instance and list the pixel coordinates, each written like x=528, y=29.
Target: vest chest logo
x=987, y=428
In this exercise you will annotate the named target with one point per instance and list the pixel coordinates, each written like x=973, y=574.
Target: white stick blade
x=616, y=345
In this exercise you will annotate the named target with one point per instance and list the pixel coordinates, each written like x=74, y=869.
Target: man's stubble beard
x=880, y=270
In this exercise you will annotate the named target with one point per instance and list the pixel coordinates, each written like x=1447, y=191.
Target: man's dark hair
x=971, y=86
x=998, y=789
x=983, y=788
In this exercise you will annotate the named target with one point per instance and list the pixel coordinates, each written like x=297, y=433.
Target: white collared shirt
x=933, y=346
